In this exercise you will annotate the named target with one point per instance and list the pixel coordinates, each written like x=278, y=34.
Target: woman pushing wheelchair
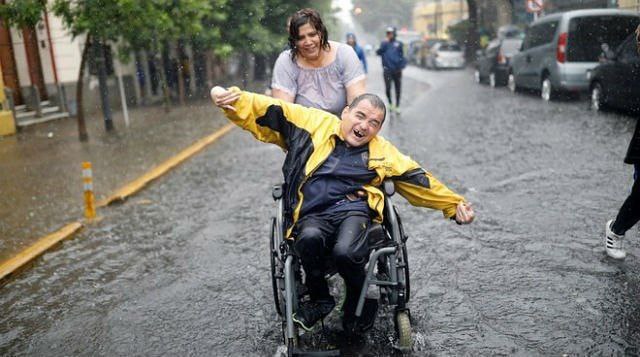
x=333, y=170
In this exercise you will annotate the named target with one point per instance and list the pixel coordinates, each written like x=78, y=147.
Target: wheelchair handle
x=388, y=187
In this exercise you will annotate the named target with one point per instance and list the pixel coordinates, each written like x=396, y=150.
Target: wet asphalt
x=182, y=268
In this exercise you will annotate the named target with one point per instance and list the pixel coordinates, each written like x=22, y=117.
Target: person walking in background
x=351, y=41
x=314, y=71
x=393, y=62
x=629, y=213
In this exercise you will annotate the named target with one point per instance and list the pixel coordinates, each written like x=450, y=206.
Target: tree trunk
x=180, y=71
x=160, y=69
x=82, y=127
x=472, y=35
x=260, y=67
x=100, y=59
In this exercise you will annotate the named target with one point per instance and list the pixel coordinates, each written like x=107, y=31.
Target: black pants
x=396, y=77
x=342, y=234
x=629, y=213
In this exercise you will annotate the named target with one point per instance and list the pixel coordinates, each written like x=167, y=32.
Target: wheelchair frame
x=388, y=254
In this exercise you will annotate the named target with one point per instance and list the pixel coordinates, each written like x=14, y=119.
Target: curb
x=13, y=265
x=8, y=267
x=136, y=185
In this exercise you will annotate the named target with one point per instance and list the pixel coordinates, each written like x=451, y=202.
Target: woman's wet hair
x=373, y=99
x=301, y=18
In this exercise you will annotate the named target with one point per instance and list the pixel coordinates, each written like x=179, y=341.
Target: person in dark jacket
x=629, y=213
x=351, y=41
x=393, y=62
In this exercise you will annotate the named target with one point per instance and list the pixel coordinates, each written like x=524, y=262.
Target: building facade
x=431, y=18
x=40, y=70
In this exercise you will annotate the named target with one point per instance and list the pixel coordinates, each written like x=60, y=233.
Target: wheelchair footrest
x=299, y=352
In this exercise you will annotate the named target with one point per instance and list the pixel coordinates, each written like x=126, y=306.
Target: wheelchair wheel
x=403, y=267
x=405, y=272
x=403, y=328
x=276, y=281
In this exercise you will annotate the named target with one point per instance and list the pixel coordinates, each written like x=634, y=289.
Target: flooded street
x=183, y=267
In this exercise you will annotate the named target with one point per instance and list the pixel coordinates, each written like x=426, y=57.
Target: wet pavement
x=182, y=268
x=41, y=182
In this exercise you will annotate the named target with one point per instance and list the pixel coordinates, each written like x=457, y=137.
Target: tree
x=100, y=21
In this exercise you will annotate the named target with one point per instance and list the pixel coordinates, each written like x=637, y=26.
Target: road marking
x=35, y=250
x=136, y=185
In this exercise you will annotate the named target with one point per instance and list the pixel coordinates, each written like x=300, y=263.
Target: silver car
x=446, y=55
x=559, y=49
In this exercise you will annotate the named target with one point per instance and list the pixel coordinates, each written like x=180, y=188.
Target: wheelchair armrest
x=277, y=191
x=388, y=187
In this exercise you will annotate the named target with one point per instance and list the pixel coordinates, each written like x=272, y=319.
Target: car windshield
x=509, y=47
x=450, y=47
x=587, y=34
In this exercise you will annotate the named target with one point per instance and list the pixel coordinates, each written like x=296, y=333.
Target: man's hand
x=224, y=98
x=464, y=213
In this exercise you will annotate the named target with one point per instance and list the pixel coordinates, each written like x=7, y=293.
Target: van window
x=629, y=50
x=541, y=34
x=450, y=47
x=587, y=34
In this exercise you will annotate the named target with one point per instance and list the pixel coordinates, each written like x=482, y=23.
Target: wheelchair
x=388, y=269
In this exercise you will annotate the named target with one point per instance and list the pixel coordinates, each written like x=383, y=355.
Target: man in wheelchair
x=332, y=172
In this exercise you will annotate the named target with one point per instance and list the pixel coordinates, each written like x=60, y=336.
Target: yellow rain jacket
x=308, y=135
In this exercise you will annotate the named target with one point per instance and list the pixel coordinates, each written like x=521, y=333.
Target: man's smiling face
x=361, y=123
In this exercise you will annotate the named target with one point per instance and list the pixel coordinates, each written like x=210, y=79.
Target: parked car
x=427, y=45
x=616, y=81
x=446, y=55
x=493, y=62
x=559, y=49
x=413, y=52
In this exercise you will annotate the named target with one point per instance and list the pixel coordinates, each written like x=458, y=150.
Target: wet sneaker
x=310, y=312
x=392, y=108
x=353, y=325
x=613, y=243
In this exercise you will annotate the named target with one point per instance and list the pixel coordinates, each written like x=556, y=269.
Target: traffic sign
x=535, y=6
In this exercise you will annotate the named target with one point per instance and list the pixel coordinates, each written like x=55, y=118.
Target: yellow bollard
x=87, y=179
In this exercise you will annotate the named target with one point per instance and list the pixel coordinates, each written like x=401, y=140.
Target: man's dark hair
x=301, y=18
x=374, y=100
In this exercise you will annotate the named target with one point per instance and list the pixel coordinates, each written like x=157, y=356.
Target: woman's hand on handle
x=224, y=98
x=464, y=213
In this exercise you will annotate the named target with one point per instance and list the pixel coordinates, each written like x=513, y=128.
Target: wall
x=432, y=18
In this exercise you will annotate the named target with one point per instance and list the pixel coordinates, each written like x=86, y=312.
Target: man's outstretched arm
x=268, y=119
x=422, y=189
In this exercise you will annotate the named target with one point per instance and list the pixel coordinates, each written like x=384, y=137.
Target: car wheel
x=547, y=93
x=492, y=80
x=511, y=83
x=476, y=76
x=597, y=97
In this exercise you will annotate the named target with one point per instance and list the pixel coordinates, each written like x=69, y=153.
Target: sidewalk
x=41, y=186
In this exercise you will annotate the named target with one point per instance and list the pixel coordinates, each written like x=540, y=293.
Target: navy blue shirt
x=333, y=186
x=392, y=56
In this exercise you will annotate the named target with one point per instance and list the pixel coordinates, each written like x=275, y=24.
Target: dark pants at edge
x=629, y=213
x=396, y=77
x=344, y=235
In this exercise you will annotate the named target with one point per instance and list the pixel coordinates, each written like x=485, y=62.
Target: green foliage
x=224, y=26
x=22, y=13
